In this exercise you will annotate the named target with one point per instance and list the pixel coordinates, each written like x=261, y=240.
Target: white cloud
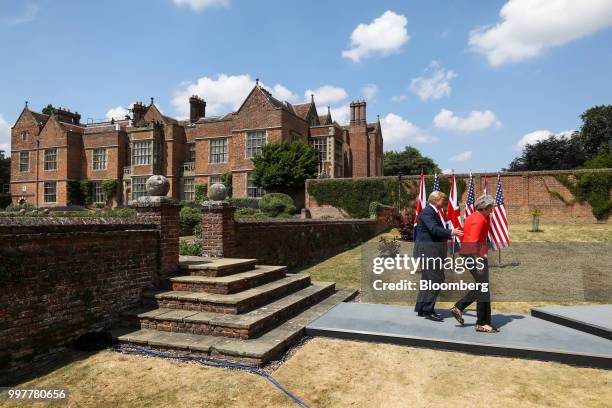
x=435, y=86
x=284, y=94
x=537, y=135
x=199, y=5
x=222, y=94
x=447, y=171
x=399, y=132
x=385, y=35
x=528, y=27
x=118, y=112
x=399, y=98
x=327, y=94
x=369, y=91
x=475, y=121
x=461, y=157
x=5, y=136
x=340, y=114
x=29, y=14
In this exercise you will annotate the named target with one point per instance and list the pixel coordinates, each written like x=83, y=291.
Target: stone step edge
x=209, y=263
x=195, y=279
x=254, y=350
x=203, y=297
x=279, y=311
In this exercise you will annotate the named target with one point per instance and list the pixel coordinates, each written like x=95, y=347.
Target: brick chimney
x=197, y=108
x=64, y=115
x=358, y=113
x=138, y=112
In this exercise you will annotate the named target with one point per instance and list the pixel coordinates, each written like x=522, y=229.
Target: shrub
x=192, y=248
x=244, y=202
x=110, y=189
x=284, y=166
x=200, y=191
x=273, y=204
x=375, y=208
x=189, y=217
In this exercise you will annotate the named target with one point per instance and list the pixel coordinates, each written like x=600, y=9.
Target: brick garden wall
x=524, y=191
x=62, y=277
x=300, y=242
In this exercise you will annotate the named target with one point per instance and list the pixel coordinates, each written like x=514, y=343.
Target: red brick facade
x=194, y=151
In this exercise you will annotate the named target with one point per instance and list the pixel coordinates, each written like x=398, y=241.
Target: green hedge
x=355, y=195
x=189, y=217
x=273, y=204
x=109, y=213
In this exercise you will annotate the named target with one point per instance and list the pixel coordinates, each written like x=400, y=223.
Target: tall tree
x=48, y=110
x=596, y=131
x=552, y=153
x=284, y=166
x=409, y=161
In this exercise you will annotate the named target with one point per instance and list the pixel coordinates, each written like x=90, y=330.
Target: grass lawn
x=333, y=373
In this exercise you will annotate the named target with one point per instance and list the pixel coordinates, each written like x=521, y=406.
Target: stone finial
x=152, y=100
x=256, y=81
x=217, y=192
x=157, y=186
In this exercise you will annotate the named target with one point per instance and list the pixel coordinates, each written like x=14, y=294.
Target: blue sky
x=467, y=82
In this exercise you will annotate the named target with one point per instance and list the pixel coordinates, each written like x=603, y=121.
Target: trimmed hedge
x=355, y=195
x=189, y=217
x=273, y=204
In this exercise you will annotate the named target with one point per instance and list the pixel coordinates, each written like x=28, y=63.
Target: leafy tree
x=552, y=153
x=408, y=162
x=5, y=169
x=48, y=110
x=596, y=131
x=284, y=166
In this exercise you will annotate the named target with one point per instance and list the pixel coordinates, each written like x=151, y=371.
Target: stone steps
x=201, y=266
x=236, y=303
x=244, y=326
x=268, y=346
x=228, y=284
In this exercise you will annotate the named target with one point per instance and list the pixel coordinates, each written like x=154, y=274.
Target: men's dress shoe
x=434, y=317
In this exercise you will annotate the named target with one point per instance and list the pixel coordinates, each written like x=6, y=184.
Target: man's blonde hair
x=435, y=196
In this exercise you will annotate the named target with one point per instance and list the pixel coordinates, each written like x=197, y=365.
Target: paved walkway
x=594, y=319
x=521, y=335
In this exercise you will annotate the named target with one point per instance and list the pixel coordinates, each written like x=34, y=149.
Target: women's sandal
x=457, y=315
x=486, y=329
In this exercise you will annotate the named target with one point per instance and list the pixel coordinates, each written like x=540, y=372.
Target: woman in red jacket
x=474, y=246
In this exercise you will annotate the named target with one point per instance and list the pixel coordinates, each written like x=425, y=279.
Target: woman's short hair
x=435, y=196
x=483, y=202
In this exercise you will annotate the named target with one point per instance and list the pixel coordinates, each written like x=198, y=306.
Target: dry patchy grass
x=333, y=373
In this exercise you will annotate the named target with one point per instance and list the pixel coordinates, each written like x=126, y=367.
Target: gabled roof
x=166, y=119
x=302, y=109
x=40, y=118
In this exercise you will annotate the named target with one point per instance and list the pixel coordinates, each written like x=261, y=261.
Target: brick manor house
x=50, y=150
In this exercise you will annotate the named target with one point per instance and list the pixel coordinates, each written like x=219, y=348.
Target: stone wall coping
x=153, y=202
x=488, y=174
x=211, y=205
x=86, y=224
x=240, y=222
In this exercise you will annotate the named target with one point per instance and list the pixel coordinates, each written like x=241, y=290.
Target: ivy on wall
x=593, y=188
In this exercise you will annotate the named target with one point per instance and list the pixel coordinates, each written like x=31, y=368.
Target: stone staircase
x=230, y=308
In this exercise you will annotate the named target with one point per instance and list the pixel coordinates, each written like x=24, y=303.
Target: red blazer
x=475, y=231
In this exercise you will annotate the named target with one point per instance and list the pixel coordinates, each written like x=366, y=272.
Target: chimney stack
x=358, y=113
x=64, y=115
x=197, y=108
x=352, y=108
x=138, y=113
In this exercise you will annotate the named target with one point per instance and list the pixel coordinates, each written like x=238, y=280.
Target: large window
x=215, y=179
x=142, y=152
x=191, y=152
x=320, y=146
x=50, y=159
x=188, y=189
x=139, y=187
x=99, y=159
x=50, y=193
x=218, y=150
x=99, y=195
x=255, y=141
x=252, y=189
x=24, y=161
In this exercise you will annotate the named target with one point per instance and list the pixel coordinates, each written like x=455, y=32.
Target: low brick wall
x=62, y=277
x=523, y=191
x=300, y=242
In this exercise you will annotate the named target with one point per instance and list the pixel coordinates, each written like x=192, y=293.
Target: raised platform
x=521, y=336
x=593, y=319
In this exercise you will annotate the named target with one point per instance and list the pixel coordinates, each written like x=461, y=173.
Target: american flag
x=436, y=186
x=469, y=204
x=498, y=230
x=484, y=187
x=421, y=200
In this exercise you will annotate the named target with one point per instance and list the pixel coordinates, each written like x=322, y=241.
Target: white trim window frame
x=255, y=141
x=99, y=159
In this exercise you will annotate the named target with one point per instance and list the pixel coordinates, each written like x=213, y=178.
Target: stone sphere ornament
x=157, y=186
x=217, y=192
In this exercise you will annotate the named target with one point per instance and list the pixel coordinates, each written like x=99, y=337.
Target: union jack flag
x=498, y=229
x=469, y=204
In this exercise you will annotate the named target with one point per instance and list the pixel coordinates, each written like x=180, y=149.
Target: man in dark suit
x=430, y=238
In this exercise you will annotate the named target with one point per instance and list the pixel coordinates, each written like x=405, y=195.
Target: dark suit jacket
x=430, y=234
